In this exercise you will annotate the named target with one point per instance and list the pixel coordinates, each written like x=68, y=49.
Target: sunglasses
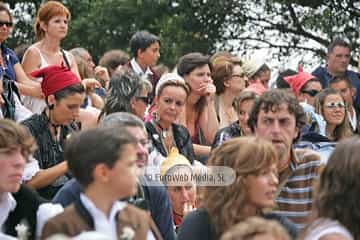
x=7, y=24
x=333, y=105
x=310, y=92
x=145, y=99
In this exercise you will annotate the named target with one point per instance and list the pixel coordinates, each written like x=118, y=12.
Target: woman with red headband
x=64, y=95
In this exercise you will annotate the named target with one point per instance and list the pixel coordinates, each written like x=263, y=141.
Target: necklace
x=163, y=131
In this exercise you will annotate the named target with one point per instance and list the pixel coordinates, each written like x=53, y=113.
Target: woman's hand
x=102, y=73
x=208, y=90
x=90, y=84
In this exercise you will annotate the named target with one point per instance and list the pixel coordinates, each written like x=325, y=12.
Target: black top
x=226, y=133
x=197, y=225
x=27, y=204
x=49, y=152
x=181, y=136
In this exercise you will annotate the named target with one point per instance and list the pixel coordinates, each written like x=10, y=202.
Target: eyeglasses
x=333, y=105
x=311, y=92
x=145, y=99
x=7, y=24
x=241, y=75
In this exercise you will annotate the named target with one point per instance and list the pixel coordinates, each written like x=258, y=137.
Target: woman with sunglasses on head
x=229, y=79
x=12, y=72
x=127, y=93
x=64, y=95
x=164, y=129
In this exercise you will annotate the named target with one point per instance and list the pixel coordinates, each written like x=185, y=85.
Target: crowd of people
x=80, y=143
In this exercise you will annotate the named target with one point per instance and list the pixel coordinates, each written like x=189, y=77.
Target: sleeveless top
x=325, y=226
x=37, y=105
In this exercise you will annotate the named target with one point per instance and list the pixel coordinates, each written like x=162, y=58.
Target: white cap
x=168, y=77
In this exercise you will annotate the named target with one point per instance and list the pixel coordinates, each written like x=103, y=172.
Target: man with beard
x=278, y=117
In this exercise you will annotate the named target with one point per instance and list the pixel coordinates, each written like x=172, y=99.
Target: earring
x=156, y=116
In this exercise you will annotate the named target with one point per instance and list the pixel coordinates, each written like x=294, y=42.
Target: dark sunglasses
x=311, y=92
x=7, y=24
x=145, y=99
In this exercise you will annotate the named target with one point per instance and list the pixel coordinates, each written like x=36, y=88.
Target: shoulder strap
x=65, y=58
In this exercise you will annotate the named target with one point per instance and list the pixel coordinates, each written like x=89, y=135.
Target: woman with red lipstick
x=331, y=106
x=64, y=95
x=164, y=131
x=254, y=161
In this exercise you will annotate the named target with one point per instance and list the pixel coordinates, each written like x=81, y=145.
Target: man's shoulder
x=307, y=156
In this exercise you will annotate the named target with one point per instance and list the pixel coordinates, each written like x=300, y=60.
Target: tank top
x=37, y=105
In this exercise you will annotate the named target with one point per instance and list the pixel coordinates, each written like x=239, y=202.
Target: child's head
x=104, y=157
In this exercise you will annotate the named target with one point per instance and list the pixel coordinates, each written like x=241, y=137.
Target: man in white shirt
x=145, y=49
x=103, y=161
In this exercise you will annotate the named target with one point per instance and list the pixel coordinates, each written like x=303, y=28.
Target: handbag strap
x=65, y=58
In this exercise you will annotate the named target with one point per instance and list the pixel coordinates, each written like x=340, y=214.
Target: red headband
x=55, y=78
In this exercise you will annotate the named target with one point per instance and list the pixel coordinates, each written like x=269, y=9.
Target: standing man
x=145, y=49
x=337, y=62
x=278, y=117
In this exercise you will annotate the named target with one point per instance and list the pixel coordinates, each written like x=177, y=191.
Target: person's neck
x=50, y=45
x=52, y=118
x=227, y=99
x=101, y=199
x=164, y=126
x=142, y=65
x=333, y=73
x=192, y=100
x=284, y=161
x=249, y=211
x=330, y=128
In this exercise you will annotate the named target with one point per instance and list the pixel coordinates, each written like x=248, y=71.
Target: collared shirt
x=10, y=59
x=7, y=204
x=138, y=70
x=296, y=181
x=104, y=224
x=353, y=119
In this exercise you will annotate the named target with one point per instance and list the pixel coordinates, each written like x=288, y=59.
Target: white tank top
x=37, y=105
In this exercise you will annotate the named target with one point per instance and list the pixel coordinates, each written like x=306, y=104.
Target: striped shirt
x=295, y=198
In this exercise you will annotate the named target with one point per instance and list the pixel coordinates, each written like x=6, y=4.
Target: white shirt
x=138, y=70
x=7, y=204
x=353, y=120
x=325, y=226
x=102, y=223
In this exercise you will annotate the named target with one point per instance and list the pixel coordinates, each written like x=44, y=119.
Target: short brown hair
x=47, y=11
x=222, y=70
x=271, y=100
x=13, y=135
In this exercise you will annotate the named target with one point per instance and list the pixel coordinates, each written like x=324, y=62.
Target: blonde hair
x=246, y=156
x=254, y=226
x=47, y=11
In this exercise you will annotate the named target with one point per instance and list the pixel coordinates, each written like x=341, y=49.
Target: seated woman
x=229, y=79
x=331, y=106
x=336, y=205
x=243, y=105
x=182, y=193
x=200, y=116
x=170, y=98
x=64, y=96
x=253, y=189
x=127, y=93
